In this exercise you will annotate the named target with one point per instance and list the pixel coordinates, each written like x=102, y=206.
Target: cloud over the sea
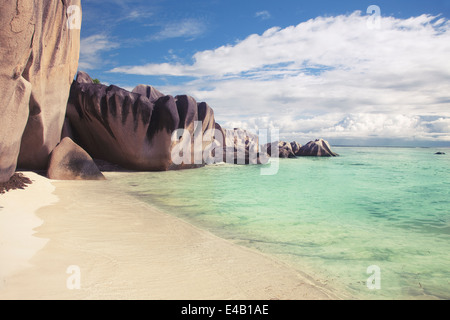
x=329, y=76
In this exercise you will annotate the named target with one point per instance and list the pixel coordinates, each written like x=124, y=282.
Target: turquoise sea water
x=329, y=217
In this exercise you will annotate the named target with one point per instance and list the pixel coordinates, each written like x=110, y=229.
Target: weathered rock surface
x=68, y=161
x=134, y=129
x=148, y=91
x=239, y=146
x=295, y=146
x=39, y=57
x=318, y=148
x=284, y=150
x=83, y=77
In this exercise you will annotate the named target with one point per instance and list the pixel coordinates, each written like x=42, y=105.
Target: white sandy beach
x=17, y=223
x=125, y=249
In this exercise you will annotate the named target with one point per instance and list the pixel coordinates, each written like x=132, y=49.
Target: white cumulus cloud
x=330, y=75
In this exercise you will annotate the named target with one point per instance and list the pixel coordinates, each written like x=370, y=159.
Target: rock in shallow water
x=295, y=146
x=283, y=149
x=239, y=146
x=318, y=148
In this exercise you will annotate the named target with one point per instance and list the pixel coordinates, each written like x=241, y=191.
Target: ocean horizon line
x=394, y=147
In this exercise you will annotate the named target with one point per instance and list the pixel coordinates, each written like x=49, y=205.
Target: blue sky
x=310, y=68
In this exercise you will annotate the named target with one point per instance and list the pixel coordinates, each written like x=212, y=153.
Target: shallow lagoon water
x=331, y=218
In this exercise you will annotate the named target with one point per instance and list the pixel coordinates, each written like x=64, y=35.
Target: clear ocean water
x=332, y=218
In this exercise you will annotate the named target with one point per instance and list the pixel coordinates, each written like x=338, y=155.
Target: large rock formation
x=318, y=148
x=135, y=129
x=148, y=91
x=239, y=146
x=282, y=149
x=39, y=49
x=68, y=161
x=295, y=146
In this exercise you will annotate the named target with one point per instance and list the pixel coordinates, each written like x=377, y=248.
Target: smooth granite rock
x=130, y=130
x=239, y=146
x=317, y=148
x=148, y=91
x=295, y=146
x=39, y=50
x=68, y=161
x=283, y=149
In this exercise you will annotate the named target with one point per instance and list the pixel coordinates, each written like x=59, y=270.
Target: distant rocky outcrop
x=295, y=146
x=134, y=129
x=68, y=161
x=240, y=146
x=317, y=148
x=39, y=52
x=283, y=148
x=143, y=130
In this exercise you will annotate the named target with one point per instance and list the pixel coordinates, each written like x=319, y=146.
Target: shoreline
x=127, y=249
x=18, y=223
